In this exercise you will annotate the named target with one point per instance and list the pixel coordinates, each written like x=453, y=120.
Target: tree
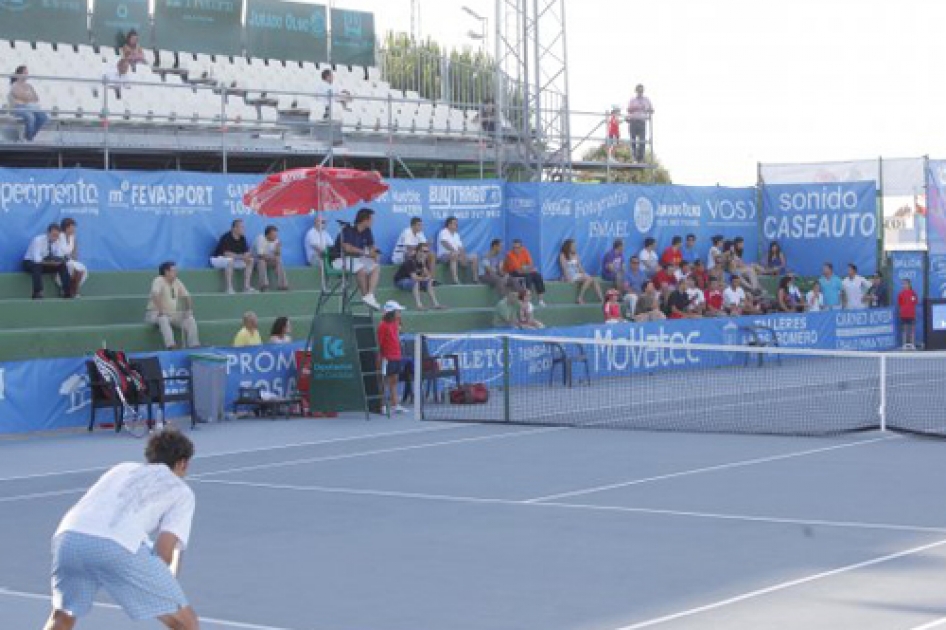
x=656, y=173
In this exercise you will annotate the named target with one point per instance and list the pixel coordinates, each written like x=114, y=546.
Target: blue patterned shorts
x=141, y=583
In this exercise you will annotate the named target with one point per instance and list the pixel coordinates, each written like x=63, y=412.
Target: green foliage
x=656, y=173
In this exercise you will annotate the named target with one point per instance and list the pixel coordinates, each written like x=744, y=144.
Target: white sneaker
x=542, y=303
x=371, y=302
x=400, y=409
x=251, y=290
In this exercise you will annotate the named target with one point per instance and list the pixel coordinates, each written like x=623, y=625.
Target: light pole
x=484, y=22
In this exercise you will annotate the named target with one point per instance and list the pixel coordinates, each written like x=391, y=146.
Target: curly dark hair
x=169, y=447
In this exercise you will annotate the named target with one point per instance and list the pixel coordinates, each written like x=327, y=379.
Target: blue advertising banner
x=547, y=214
x=135, y=220
x=910, y=266
x=936, y=227
x=48, y=394
x=819, y=223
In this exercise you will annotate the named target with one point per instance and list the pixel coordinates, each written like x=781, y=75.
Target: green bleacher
x=111, y=311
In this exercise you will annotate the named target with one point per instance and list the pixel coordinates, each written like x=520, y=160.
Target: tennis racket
x=131, y=421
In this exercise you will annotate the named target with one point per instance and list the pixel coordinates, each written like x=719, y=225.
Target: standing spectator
x=324, y=92
x=788, y=301
x=907, y=301
x=450, y=250
x=414, y=275
x=491, y=268
x=518, y=264
x=612, y=265
x=269, y=255
x=634, y=283
x=132, y=52
x=357, y=254
x=666, y=277
x=854, y=289
x=45, y=256
x=233, y=252
x=735, y=300
x=612, y=308
x=689, y=249
x=614, y=131
x=649, y=258
x=573, y=272
x=281, y=332
x=24, y=103
x=506, y=312
x=527, y=318
x=673, y=255
x=775, y=263
x=714, y=258
x=411, y=237
x=877, y=296
x=714, y=299
x=389, y=350
x=830, y=287
x=317, y=242
x=814, y=300
x=487, y=115
x=170, y=305
x=639, y=112
x=78, y=273
x=249, y=334
x=648, y=306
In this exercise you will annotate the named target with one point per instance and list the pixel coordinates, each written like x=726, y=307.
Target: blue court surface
x=394, y=524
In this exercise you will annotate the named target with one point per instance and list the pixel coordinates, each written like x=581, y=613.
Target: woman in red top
x=907, y=300
x=612, y=309
x=389, y=349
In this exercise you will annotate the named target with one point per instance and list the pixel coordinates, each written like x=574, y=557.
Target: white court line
x=226, y=623
x=41, y=495
x=938, y=623
x=380, y=451
x=261, y=449
x=706, y=469
x=577, y=506
x=781, y=587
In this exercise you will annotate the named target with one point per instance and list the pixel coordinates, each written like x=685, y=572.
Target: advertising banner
x=276, y=29
x=353, y=38
x=113, y=19
x=936, y=227
x=54, y=21
x=213, y=27
x=335, y=383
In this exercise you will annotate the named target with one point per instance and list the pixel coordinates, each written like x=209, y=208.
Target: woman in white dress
x=573, y=272
x=70, y=250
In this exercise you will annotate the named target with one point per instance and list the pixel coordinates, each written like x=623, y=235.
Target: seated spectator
x=408, y=241
x=648, y=305
x=735, y=299
x=281, y=332
x=699, y=275
x=877, y=296
x=119, y=77
x=634, y=282
x=24, y=104
x=697, y=300
x=689, y=249
x=506, y=312
x=787, y=299
x=714, y=299
x=682, y=272
x=317, y=242
x=814, y=300
x=527, y=318
x=854, y=289
x=233, y=252
x=355, y=251
x=665, y=277
x=487, y=115
x=673, y=255
x=78, y=273
x=749, y=272
x=573, y=272
x=414, y=275
x=612, y=308
x=775, y=263
x=492, y=271
x=664, y=295
x=249, y=334
x=269, y=255
x=450, y=250
x=795, y=291
x=612, y=266
x=170, y=306
x=132, y=52
x=714, y=266
x=679, y=303
x=518, y=264
x=45, y=256
x=648, y=257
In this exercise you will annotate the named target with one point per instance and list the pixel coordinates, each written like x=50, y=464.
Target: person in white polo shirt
x=408, y=241
x=734, y=298
x=104, y=541
x=268, y=250
x=317, y=242
x=450, y=251
x=853, y=289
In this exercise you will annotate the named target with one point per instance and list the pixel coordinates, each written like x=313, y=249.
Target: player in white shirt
x=317, y=242
x=410, y=238
x=853, y=289
x=268, y=250
x=450, y=250
x=103, y=541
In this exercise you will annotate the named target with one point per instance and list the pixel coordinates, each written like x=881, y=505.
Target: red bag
x=472, y=394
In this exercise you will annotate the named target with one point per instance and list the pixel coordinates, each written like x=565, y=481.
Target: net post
x=418, y=375
x=883, y=393
x=506, y=378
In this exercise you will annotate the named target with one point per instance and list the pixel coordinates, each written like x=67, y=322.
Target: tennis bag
x=116, y=370
x=472, y=394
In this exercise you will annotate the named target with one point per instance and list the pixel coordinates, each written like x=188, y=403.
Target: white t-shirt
x=407, y=239
x=40, y=247
x=854, y=290
x=133, y=503
x=814, y=301
x=711, y=257
x=733, y=297
x=316, y=242
x=264, y=247
x=696, y=296
x=650, y=261
x=451, y=237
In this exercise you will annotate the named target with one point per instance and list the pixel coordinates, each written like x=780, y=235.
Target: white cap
x=390, y=306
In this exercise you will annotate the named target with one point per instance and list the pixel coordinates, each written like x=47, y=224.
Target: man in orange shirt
x=518, y=264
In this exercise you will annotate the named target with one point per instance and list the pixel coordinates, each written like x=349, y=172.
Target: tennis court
x=401, y=525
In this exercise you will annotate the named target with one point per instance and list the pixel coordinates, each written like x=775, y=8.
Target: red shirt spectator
x=700, y=277
x=672, y=256
x=614, y=126
x=907, y=301
x=664, y=277
x=714, y=299
x=389, y=340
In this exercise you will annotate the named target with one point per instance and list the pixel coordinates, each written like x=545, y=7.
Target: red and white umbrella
x=302, y=191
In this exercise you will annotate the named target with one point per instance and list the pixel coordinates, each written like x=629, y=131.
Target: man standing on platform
x=854, y=289
x=830, y=287
x=639, y=111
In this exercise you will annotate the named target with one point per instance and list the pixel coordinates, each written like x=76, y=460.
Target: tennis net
x=612, y=382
